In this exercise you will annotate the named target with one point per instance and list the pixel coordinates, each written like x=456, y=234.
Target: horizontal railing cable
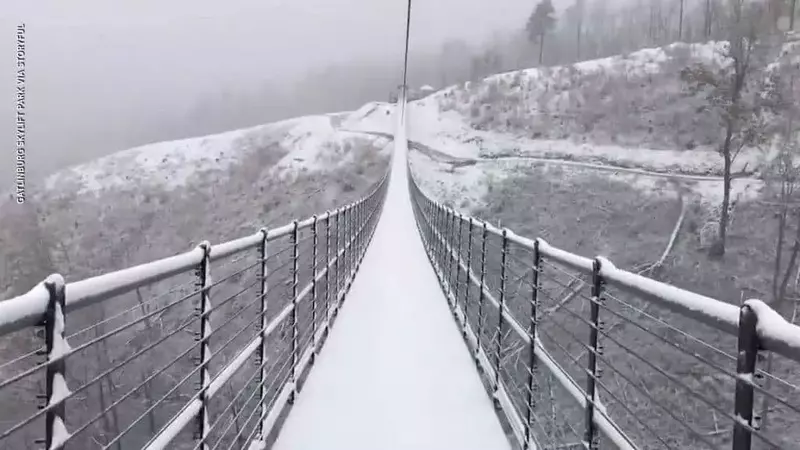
x=614, y=330
x=134, y=373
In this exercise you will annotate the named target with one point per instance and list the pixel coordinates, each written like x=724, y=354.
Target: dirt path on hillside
x=441, y=156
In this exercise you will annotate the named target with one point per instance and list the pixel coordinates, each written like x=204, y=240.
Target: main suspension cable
x=405, y=62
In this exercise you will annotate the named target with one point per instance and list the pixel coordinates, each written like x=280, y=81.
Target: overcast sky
x=92, y=62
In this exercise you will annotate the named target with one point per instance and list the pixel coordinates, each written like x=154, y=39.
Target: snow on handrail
x=27, y=310
x=774, y=332
x=610, y=429
x=191, y=410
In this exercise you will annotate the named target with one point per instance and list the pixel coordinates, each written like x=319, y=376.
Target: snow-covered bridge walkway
x=395, y=372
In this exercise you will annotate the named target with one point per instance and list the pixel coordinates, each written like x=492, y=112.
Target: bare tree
x=732, y=98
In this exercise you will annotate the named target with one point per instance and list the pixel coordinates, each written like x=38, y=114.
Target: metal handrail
x=27, y=310
x=442, y=227
x=347, y=232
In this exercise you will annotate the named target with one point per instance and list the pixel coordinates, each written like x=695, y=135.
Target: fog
x=103, y=76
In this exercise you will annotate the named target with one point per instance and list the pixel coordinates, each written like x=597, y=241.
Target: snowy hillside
x=307, y=143
x=629, y=117
x=628, y=110
x=156, y=200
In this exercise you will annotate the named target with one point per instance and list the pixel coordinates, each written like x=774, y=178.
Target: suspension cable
x=405, y=62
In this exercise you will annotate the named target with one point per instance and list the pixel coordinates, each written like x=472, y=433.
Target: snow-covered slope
x=155, y=200
x=630, y=116
x=307, y=143
x=630, y=110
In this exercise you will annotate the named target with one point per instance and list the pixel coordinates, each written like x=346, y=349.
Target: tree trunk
x=541, y=48
x=680, y=22
x=707, y=20
x=776, y=270
x=580, y=32
x=792, y=12
x=718, y=249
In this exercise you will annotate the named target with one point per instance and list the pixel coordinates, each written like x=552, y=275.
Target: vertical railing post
x=353, y=230
x=366, y=217
x=745, y=369
x=263, y=253
x=343, y=246
x=434, y=239
x=469, y=270
x=535, y=286
x=422, y=217
x=427, y=213
x=357, y=256
x=431, y=234
x=458, y=259
x=367, y=227
x=337, y=260
x=352, y=243
x=203, y=273
x=500, y=317
x=349, y=244
x=451, y=259
x=314, y=303
x=348, y=250
x=55, y=372
x=593, y=372
x=365, y=212
x=444, y=224
x=362, y=228
x=437, y=217
x=448, y=256
x=293, y=316
x=434, y=211
x=328, y=269
x=482, y=293
x=443, y=243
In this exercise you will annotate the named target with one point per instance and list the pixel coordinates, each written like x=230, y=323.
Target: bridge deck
x=394, y=373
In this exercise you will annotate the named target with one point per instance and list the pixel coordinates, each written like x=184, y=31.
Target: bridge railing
x=581, y=354
x=202, y=350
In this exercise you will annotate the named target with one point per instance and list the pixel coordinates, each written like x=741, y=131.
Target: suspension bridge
x=393, y=322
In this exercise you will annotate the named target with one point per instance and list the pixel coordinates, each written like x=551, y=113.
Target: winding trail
x=447, y=158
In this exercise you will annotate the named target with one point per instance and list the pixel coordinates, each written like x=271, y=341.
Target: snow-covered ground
x=448, y=122
x=314, y=143
x=168, y=163
x=465, y=186
x=571, y=112
x=449, y=132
